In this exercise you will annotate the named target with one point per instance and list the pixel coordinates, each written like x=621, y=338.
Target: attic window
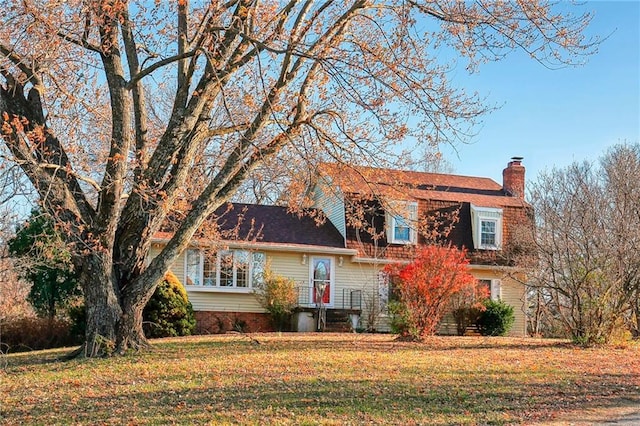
x=486, y=225
x=401, y=220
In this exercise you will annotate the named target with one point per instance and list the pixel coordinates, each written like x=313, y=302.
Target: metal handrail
x=351, y=298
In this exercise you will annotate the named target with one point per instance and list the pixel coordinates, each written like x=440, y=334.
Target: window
x=401, y=222
x=494, y=288
x=401, y=229
x=486, y=226
x=224, y=269
x=210, y=268
x=488, y=232
x=321, y=279
x=192, y=268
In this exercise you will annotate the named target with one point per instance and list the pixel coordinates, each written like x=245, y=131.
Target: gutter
x=296, y=248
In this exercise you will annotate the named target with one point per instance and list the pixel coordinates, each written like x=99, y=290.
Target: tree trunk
x=129, y=333
x=102, y=307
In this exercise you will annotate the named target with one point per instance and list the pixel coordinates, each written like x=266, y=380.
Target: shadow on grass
x=312, y=401
x=41, y=357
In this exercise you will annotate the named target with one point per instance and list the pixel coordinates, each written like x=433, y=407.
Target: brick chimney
x=513, y=178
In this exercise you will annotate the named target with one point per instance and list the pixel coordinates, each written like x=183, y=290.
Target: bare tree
x=249, y=81
x=588, y=237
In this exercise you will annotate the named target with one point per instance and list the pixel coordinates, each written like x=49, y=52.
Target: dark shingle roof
x=275, y=224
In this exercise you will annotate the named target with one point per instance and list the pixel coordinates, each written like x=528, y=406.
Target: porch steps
x=337, y=321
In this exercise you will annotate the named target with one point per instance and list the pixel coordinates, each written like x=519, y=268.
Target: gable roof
x=406, y=184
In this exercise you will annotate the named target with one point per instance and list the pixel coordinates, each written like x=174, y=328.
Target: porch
x=317, y=311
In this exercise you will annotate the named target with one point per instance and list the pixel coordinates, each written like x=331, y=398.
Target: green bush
x=168, y=312
x=497, y=318
x=399, y=320
x=277, y=295
x=78, y=318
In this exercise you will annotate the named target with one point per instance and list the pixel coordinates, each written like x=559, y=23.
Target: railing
x=351, y=298
x=304, y=296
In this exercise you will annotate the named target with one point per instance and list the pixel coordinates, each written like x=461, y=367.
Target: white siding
x=348, y=277
x=330, y=200
x=224, y=302
x=513, y=293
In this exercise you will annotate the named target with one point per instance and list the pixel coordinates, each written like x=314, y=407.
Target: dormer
x=401, y=218
x=486, y=228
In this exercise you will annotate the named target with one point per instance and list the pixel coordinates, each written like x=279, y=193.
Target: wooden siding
x=515, y=222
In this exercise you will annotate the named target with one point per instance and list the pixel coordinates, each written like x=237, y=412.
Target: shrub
x=169, y=312
x=277, y=295
x=497, y=318
x=425, y=288
x=465, y=317
x=467, y=306
x=399, y=319
x=34, y=333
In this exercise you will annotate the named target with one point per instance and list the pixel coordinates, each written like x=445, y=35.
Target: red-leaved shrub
x=425, y=288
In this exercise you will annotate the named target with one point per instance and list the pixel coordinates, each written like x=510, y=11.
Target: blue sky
x=555, y=117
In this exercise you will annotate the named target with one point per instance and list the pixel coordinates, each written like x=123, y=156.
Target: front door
x=322, y=279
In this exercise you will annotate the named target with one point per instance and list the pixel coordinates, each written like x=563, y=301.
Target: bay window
x=239, y=269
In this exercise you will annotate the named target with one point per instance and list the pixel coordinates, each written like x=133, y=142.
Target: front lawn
x=320, y=379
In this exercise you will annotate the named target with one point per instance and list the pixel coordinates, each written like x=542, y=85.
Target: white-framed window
x=486, y=226
x=224, y=269
x=494, y=288
x=384, y=280
x=401, y=222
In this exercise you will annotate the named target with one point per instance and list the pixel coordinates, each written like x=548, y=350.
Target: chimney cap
x=517, y=158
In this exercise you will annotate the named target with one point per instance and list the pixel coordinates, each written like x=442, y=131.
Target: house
x=386, y=214
x=362, y=219
x=220, y=278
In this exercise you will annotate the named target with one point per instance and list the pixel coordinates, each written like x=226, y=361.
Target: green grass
x=319, y=379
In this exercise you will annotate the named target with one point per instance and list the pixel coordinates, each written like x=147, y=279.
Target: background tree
x=84, y=110
x=13, y=290
x=43, y=260
x=588, y=241
x=425, y=288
